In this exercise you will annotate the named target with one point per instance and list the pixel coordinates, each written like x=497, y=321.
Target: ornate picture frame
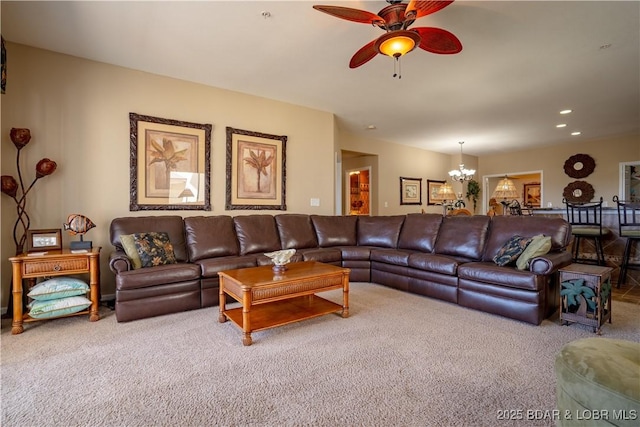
x=410, y=191
x=170, y=164
x=256, y=170
x=531, y=195
x=432, y=191
x=44, y=240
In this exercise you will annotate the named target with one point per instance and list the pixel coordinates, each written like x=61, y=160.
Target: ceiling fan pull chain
x=397, y=67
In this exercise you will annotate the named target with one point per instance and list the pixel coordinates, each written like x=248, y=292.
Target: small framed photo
x=410, y=191
x=432, y=192
x=41, y=240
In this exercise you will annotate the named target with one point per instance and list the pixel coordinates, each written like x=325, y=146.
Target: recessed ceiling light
x=561, y=125
x=565, y=111
x=371, y=127
x=575, y=133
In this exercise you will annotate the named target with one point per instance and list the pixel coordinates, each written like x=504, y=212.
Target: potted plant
x=473, y=190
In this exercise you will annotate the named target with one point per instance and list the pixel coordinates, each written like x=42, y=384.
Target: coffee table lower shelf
x=283, y=312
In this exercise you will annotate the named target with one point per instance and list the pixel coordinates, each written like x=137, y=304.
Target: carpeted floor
x=399, y=359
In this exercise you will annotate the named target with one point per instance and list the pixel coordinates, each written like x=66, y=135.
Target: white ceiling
x=521, y=63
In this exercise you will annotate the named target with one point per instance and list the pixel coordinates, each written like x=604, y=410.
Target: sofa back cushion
x=296, y=231
x=419, y=232
x=256, y=234
x=463, y=236
x=210, y=236
x=335, y=230
x=380, y=231
x=504, y=227
x=170, y=224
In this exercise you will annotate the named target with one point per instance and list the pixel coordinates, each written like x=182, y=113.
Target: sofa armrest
x=551, y=262
x=119, y=262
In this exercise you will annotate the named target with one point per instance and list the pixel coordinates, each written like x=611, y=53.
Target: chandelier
x=461, y=174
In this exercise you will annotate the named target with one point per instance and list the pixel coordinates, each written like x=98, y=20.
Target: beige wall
x=77, y=111
x=394, y=161
x=607, y=153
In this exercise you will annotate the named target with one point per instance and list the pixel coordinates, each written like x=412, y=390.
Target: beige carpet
x=400, y=359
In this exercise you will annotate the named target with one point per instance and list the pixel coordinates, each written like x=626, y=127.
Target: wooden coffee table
x=270, y=300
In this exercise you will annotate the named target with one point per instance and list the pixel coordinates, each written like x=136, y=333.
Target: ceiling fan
x=398, y=40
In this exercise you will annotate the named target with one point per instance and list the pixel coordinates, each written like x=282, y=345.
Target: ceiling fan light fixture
x=397, y=43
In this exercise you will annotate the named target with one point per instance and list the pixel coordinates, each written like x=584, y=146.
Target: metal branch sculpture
x=20, y=138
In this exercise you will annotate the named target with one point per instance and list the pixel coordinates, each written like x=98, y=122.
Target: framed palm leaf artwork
x=170, y=164
x=256, y=170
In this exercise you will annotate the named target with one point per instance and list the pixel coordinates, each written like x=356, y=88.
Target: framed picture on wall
x=256, y=170
x=531, y=195
x=432, y=192
x=170, y=164
x=410, y=191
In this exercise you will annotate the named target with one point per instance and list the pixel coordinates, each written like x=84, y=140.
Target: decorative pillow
x=58, y=287
x=511, y=250
x=539, y=245
x=57, y=307
x=129, y=246
x=154, y=249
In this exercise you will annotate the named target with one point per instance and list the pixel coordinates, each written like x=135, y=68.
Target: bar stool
x=629, y=227
x=586, y=223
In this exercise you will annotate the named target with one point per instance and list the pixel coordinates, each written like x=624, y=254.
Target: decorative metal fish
x=78, y=224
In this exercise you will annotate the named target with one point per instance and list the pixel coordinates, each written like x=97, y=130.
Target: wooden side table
x=54, y=263
x=585, y=295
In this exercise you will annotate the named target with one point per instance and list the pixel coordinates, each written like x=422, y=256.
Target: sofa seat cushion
x=391, y=256
x=155, y=276
x=326, y=255
x=380, y=231
x=211, y=266
x=489, y=272
x=433, y=262
x=356, y=253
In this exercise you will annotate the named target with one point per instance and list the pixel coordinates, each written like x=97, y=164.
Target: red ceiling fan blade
x=350, y=14
x=424, y=8
x=364, y=55
x=437, y=40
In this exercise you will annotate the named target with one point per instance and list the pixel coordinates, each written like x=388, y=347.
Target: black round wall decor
x=579, y=166
x=578, y=192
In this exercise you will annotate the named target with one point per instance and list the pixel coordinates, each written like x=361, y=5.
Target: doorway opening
x=528, y=186
x=358, y=189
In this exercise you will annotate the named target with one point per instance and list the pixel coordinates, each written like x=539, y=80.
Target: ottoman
x=598, y=383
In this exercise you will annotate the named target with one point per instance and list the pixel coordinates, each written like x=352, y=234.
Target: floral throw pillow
x=511, y=250
x=154, y=249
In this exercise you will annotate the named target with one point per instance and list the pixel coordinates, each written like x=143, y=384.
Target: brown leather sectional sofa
x=448, y=258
